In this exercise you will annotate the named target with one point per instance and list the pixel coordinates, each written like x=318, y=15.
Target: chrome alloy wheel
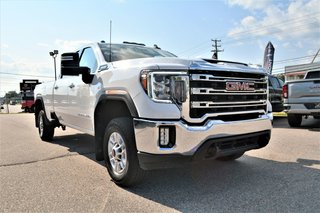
x=117, y=153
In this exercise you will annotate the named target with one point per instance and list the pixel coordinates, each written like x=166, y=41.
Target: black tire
x=294, y=120
x=231, y=157
x=31, y=110
x=122, y=161
x=46, y=129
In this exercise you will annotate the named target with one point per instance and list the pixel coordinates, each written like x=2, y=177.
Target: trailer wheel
x=46, y=130
x=294, y=120
x=120, y=152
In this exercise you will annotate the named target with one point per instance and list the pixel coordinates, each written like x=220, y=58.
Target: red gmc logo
x=239, y=86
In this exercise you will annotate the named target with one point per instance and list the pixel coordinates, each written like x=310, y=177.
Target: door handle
x=71, y=85
x=56, y=87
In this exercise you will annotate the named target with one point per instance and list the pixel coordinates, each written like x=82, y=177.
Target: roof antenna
x=110, y=40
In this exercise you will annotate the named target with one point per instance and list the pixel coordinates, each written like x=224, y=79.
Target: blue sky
x=29, y=29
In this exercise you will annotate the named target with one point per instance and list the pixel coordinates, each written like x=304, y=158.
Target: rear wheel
x=294, y=120
x=31, y=109
x=231, y=157
x=120, y=152
x=46, y=130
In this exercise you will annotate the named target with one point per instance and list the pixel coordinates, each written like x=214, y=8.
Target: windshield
x=129, y=51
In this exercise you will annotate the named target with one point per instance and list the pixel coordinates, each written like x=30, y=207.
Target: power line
x=290, y=60
x=17, y=74
x=261, y=29
x=254, y=29
x=234, y=40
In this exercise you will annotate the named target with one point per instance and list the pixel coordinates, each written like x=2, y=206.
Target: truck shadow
x=311, y=124
x=80, y=143
x=250, y=184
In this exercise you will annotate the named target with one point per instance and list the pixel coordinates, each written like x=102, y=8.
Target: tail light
x=285, y=91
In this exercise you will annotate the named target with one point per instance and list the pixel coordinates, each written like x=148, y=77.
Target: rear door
x=60, y=99
x=275, y=92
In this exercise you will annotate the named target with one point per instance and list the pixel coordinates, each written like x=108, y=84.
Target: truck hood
x=185, y=64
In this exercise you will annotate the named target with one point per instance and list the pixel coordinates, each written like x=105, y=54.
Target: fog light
x=167, y=136
x=164, y=136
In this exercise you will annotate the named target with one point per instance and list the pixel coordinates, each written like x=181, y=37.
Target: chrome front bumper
x=190, y=138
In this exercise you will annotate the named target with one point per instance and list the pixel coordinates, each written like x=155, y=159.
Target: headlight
x=166, y=87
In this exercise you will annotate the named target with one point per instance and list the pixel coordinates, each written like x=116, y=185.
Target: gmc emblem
x=239, y=86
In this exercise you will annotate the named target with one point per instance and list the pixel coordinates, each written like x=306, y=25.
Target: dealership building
x=296, y=72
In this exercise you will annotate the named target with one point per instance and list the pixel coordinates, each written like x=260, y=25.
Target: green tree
x=11, y=94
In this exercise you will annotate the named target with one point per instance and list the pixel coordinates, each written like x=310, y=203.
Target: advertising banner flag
x=268, y=57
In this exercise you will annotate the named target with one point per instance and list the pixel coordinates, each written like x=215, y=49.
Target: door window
x=88, y=59
x=275, y=82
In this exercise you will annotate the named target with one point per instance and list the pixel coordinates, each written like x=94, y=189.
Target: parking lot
x=63, y=176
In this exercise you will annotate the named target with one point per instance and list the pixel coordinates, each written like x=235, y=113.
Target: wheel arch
x=108, y=108
x=38, y=106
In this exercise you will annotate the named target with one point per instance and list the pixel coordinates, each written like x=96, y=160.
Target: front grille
x=224, y=92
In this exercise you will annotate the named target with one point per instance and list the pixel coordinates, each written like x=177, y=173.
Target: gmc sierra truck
x=149, y=109
x=302, y=98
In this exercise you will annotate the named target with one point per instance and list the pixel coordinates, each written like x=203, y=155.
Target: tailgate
x=306, y=91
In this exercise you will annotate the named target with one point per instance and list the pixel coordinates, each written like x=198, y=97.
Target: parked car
x=275, y=93
x=302, y=98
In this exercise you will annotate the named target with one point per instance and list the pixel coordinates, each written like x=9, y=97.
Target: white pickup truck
x=302, y=98
x=149, y=109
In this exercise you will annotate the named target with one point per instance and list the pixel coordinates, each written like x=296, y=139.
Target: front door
x=82, y=96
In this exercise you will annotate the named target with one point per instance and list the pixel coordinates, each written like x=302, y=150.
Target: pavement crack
x=46, y=159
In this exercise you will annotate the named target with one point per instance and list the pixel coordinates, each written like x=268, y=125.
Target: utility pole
x=216, y=49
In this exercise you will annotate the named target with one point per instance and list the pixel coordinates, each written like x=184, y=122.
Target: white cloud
x=299, y=20
x=43, y=44
x=286, y=44
x=24, y=66
x=120, y=1
x=4, y=46
x=250, y=4
x=67, y=46
x=248, y=21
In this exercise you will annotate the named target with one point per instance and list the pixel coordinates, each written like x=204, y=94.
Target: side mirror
x=70, y=66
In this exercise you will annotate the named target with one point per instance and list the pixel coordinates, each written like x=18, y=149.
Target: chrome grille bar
x=204, y=91
x=229, y=105
x=206, y=77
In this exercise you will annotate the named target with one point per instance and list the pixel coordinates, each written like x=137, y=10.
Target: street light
x=54, y=55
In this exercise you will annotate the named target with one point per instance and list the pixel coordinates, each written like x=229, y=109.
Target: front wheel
x=46, y=130
x=120, y=152
x=231, y=157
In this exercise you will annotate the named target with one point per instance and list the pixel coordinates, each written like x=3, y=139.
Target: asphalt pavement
x=62, y=176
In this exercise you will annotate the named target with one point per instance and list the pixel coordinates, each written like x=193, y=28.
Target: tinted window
x=88, y=59
x=314, y=74
x=126, y=51
x=274, y=81
x=281, y=82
